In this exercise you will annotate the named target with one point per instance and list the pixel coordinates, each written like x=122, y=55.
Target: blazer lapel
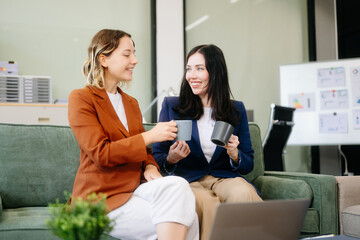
x=132, y=116
x=196, y=150
x=217, y=153
x=105, y=104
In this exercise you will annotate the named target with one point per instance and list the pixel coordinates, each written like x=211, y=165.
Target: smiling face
x=197, y=76
x=119, y=65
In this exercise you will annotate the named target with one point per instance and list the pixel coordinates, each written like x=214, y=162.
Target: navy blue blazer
x=195, y=165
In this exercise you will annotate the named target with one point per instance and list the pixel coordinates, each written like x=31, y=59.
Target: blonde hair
x=104, y=42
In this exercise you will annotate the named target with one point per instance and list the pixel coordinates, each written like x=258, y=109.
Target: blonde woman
x=114, y=158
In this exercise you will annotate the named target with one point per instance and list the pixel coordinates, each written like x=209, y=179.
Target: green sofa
x=38, y=162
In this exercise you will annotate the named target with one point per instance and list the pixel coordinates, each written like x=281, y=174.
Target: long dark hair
x=218, y=90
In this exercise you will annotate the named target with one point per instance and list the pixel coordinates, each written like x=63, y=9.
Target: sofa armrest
x=271, y=187
x=324, y=190
x=348, y=193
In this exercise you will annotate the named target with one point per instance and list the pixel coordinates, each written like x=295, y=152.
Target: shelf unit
x=25, y=89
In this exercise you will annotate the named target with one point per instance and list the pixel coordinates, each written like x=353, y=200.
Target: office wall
x=257, y=37
x=50, y=37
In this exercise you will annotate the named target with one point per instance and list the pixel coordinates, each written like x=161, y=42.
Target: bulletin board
x=326, y=96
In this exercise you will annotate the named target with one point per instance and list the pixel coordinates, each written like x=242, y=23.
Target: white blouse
x=116, y=101
x=205, y=126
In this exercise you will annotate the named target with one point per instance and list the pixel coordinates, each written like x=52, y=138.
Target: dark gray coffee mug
x=184, y=130
x=221, y=133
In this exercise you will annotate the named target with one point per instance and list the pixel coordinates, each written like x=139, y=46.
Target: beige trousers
x=209, y=191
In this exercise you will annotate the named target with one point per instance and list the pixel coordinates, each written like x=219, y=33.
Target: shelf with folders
x=10, y=89
x=25, y=89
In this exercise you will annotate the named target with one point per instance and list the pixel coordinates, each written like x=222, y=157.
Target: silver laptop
x=270, y=220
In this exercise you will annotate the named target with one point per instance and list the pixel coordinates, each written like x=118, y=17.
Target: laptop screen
x=271, y=220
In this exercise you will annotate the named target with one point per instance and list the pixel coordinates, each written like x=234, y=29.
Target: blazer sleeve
x=93, y=141
x=161, y=149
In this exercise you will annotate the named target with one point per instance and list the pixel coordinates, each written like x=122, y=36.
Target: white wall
x=50, y=37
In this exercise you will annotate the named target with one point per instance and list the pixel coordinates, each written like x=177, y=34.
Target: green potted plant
x=81, y=220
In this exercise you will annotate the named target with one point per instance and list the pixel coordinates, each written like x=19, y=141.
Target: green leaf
x=82, y=219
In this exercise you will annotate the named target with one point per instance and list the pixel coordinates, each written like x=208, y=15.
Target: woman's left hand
x=231, y=147
x=151, y=172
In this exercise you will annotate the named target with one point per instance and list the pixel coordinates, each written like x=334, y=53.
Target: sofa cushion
x=351, y=221
x=24, y=218
x=281, y=188
x=28, y=234
x=37, y=163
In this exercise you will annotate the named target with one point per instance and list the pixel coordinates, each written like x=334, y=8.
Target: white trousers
x=167, y=199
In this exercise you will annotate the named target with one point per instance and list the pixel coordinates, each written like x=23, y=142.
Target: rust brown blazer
x=112, y=159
